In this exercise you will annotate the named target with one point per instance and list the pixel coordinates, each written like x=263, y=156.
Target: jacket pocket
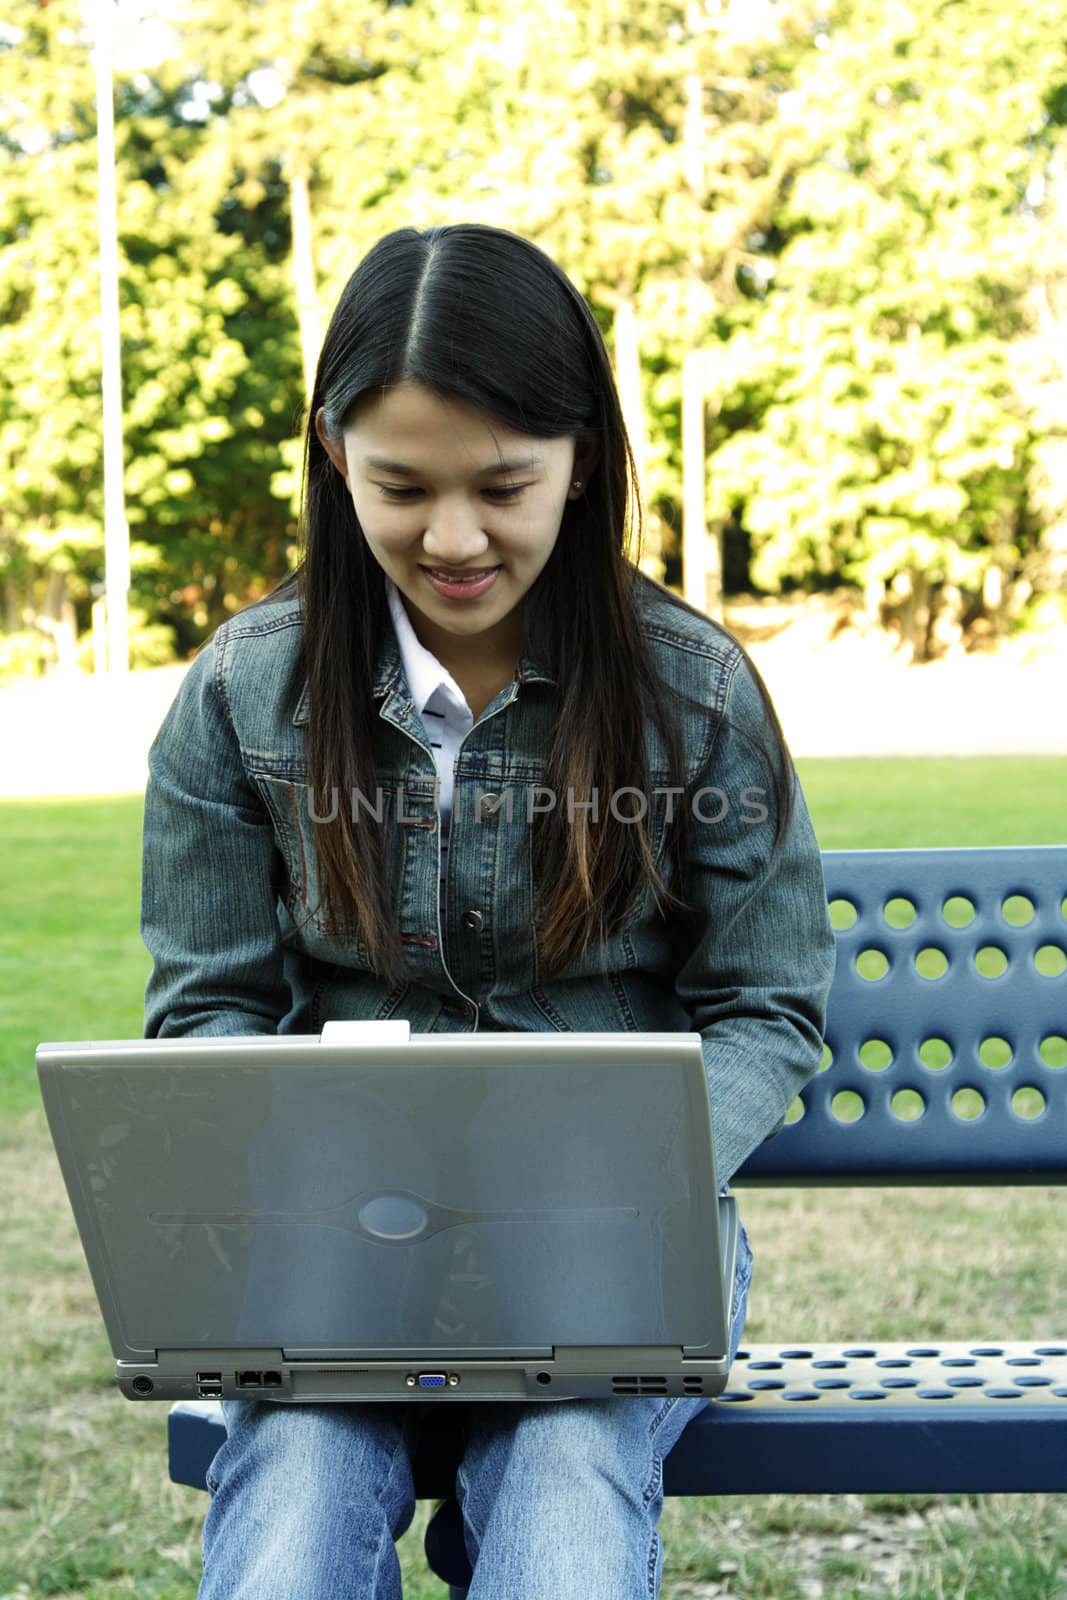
x=288, y=803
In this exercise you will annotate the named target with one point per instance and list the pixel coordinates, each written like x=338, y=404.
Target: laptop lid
x=372, y=1197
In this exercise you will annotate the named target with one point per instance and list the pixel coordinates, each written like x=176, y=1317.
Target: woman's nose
x=454, y=535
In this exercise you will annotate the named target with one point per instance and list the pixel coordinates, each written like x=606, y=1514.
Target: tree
x=870, y=422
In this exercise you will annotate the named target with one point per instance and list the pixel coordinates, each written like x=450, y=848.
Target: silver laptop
x=369, y=1215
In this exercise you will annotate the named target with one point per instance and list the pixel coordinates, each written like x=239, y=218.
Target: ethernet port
x=249, y=1380
x=272, y=1380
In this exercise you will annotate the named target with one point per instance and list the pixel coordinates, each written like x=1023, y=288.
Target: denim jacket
x=230, y=901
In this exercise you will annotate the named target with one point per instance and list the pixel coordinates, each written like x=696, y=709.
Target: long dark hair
x=482, y=315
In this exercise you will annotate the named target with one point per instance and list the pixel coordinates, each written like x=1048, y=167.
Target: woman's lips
x=461, y=586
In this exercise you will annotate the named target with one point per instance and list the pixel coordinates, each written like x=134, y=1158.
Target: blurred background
x=826, y=243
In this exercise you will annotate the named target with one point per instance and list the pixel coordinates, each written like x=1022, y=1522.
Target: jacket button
x=472, y=920
x=488, y=805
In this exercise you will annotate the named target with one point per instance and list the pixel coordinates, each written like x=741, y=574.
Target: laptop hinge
x=421, y=1355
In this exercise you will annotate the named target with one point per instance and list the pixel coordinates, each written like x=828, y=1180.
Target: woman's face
x=444, y=492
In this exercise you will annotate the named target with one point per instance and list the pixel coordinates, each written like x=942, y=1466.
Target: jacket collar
x=389, y=676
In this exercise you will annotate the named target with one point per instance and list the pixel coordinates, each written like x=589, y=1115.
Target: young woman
x=471, y=768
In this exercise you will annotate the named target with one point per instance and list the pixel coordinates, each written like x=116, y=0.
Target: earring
x=577, y=484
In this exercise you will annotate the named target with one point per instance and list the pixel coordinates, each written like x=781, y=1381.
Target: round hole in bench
x=935, y=1054
x=898, y=912
x=968, y=1104
x=1053, y=1050
x=847, y=1106
x=732, y=1397
x=958, y=1361
x=1050, y=1349
x=1017, y=910
x=894, y=1361
x=872, y=964
x=1060, y=1392
x=826, y=1363
x=1022, y=1361
x=767, y=1383
x=1005, y=1394
x=965, y=1383
x=795, y=1355
x=1031, y=1380
x=842, y=915
x=907, y=1105
x=987, y=1350
x=1050, y=960
x=995, y=1053
x=868, y=1394
x=875, y=1055
x=765, y=1366
x=930, y=962
x=833, y=1383
x=958, y=911
x=991, y=961
x=795, y=1112
x=1028, y=1102
x=827, y=1059
x=800, y=1394
x=936, y=1394
x=858, y=1354
x=899, y=1383
x=924, y=1350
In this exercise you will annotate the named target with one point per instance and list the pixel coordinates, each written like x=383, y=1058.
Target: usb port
x=209, y=1389
x=209, y=1377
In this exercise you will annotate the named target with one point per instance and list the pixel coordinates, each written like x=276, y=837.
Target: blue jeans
x=560, y=1500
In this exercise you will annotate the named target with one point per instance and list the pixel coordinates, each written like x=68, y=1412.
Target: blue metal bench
x=946, y=1063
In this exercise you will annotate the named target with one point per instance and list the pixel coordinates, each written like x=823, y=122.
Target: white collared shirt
x=440, y=702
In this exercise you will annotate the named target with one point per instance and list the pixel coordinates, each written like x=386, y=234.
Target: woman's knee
x=578, y=1446
x=307, y=1502
x=316, y=1458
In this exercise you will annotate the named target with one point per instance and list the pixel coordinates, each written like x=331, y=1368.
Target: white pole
x=307, y=304
x=116, y=532
x=696, y=587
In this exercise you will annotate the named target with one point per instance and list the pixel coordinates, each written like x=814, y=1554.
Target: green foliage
x=884, y=405
x=860, y=218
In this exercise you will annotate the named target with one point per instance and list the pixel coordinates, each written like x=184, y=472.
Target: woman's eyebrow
x=398, y=468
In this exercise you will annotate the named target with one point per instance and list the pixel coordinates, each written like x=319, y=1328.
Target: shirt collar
x=427, y=679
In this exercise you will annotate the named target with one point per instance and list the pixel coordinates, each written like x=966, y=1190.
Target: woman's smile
x=465, y=586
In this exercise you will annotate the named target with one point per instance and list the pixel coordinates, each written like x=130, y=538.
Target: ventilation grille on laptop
x=648, y=1383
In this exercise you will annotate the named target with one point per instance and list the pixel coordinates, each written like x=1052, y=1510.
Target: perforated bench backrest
x=957, y=1077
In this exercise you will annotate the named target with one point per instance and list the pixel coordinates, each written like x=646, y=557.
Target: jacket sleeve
x=210, y=876
x=756, y=979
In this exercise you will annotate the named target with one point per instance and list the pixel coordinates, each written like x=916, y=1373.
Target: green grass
x=94, y=1523
x=882, y=802
x=72, y=965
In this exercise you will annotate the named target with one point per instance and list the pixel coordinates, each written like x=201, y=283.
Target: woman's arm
x=755, y=982
x=210, y=876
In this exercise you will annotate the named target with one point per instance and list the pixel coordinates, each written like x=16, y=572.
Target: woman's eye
x=501, y=493
x=510, y=491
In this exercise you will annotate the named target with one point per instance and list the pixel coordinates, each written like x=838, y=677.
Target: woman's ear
x=586, y=457
x=335, y=450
